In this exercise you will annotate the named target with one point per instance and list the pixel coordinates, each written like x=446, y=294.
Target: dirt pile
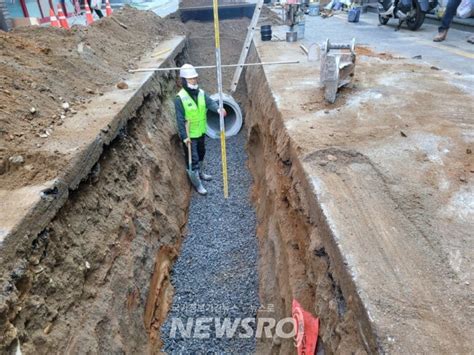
x=367, y=52
x=43, y=68
x=269, y=17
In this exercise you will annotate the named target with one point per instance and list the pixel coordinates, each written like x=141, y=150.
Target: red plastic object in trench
x=307, y=329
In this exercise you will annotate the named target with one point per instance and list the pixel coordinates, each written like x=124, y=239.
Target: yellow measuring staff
x=221, y=104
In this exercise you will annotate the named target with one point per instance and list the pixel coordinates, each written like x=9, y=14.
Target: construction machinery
x=337, y=67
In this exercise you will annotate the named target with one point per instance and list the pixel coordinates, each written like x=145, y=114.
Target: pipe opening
x=233, y=121
x=229, y=121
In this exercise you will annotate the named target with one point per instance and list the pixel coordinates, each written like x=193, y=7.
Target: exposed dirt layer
x=82, y=285
x=294, y=262
x=367, y=52
x=43, y=68
x=269, y=17
x=366, y=184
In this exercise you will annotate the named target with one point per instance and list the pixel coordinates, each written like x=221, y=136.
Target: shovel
x=192, y=175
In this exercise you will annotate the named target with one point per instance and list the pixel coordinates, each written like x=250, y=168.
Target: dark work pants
x=97, y=11
x=198, y=150
x=449, y=14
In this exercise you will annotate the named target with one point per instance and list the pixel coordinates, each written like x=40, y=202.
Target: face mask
x=193, y=87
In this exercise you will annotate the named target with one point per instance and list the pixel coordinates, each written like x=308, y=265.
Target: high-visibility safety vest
x=196, y=115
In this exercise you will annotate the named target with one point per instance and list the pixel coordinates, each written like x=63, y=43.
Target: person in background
x=191, y=105
x=95, y=5
x=446, y=21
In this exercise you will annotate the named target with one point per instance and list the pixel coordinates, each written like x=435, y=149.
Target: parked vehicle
x=410, y=11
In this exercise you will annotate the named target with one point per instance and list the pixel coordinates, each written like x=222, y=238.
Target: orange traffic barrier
x=108, y=8
x=89, y=17
x=52, y=18
x=62, y=18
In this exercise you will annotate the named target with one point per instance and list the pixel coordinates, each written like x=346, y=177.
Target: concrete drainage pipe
x=233, y=121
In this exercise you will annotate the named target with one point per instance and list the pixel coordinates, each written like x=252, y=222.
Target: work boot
x=441, y=36
x=199, y=188
x=203, y=175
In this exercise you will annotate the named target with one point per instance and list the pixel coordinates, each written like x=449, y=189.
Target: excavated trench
x=99, y=279
x=293, y=244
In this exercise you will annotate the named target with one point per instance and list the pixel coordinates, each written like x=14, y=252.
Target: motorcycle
x=410, y=11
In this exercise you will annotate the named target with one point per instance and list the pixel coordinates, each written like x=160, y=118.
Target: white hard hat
x=187, y=71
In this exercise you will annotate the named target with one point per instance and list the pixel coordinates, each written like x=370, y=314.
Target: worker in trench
x=191, y=105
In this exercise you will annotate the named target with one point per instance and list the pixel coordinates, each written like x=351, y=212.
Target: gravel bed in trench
x=216, y=273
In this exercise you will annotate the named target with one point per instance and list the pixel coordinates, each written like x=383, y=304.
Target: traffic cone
x=89, y=17
x=108, y=8
x=52, y=18
x=62, y=18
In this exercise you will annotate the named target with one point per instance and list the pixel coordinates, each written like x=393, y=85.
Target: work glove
x=224, y=112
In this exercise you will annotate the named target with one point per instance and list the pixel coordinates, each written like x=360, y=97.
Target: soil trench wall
x=96, y=279
x=298, y=259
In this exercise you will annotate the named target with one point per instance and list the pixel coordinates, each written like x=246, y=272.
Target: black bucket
x=266, y=32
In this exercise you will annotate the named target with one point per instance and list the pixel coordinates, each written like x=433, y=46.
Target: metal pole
x=221, y=100
x=214, y=66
